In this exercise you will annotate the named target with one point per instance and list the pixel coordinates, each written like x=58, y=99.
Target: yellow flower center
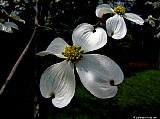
x=120, y=10
x=73, y=53
x=2, y=20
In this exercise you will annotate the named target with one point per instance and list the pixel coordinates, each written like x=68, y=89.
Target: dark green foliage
x=138, y=95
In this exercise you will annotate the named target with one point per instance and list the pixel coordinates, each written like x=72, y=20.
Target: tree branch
x=38, y=9
x=18, y=61
x=38, y=18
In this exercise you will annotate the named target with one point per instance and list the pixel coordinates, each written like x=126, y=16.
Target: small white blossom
x=116, y=27
x=4, y=3
x=7, y=27
x=16, y=17
x=98, y=73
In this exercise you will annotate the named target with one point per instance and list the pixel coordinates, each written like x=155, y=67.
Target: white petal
x=84, y=36
x=7, y=28
x=16, y=17
x=103, y=9
x=44, y=53
x=56, y=47
x=11, y=24
x=133, y=17
x=116, y=27
x=1, y=26
x=58, y=80
x=96, y=72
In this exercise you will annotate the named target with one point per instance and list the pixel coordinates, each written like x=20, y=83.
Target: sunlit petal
x=96, y=72
x=89, y=38
x=7, y=28
x=11, y=24
x=44, y=53
x=133, y=17
x=58, y=80
x=56, y=47
x=116, y=27
x=103, y=9
x=1, y=26
x=16, y=17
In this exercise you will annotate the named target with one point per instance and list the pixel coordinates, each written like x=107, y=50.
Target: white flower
x=98, y=73
x=16, y=17
x=7, y=26
x=4, y=3
x=116, y=27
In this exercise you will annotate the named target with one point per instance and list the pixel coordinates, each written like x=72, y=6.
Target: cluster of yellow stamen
x=73, y=53
x=120, y=10
x=2, y=20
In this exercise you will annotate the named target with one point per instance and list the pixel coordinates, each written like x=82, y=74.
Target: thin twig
x=24, y=51
x=100, y=21
x=36, y=104
x=18, y=61
x=37, y=16
x=3, y=10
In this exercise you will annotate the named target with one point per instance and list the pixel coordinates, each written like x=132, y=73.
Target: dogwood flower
x=116, y=27
x=7, y=26
x=98, y=73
